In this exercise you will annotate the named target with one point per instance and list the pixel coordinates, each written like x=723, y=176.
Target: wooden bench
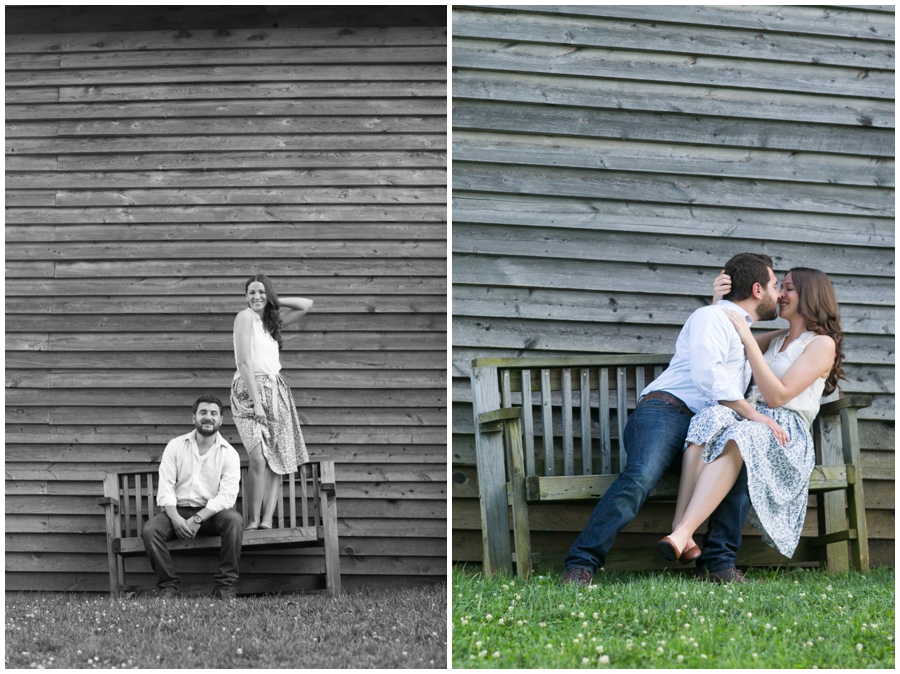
x=130, y=501
x=518, y=463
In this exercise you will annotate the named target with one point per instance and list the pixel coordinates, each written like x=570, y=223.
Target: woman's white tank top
x=263, y=348
x=806, y=403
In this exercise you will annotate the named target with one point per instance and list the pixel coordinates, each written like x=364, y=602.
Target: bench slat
x=528, y=422
x=605, y=432
x=567, y=432
x=257, y=537
x=585, y=411
x=622, y=414
x=547, y=420
x=126, y=502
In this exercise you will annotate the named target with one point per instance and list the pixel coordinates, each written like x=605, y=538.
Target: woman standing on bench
x=798, y=365
x=261, y=403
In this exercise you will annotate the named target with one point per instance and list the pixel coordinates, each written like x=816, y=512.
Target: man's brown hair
x=745, y=269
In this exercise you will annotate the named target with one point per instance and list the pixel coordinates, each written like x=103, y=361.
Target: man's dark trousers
x=226, y=523
x=654, y=439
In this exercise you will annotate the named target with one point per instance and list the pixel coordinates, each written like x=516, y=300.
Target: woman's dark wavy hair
x=271, y=317
x=819, y=308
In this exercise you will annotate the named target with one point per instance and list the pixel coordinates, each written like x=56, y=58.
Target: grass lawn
x=385, y=629
x=800, y=619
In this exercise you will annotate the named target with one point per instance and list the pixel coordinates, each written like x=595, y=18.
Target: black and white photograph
x=226, y=336
x=639, y=479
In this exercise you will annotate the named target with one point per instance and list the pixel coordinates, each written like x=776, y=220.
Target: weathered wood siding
x=607, y=161
x=148, y=174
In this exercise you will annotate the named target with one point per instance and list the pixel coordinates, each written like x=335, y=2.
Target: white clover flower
x=502, y=621
x=859, y=647
x=496, y=654
x=703, y=656
x=680, y=658
x=488, y=617
x=584, y=661
x=754, y=656
x=660, y=650
x=603, y=659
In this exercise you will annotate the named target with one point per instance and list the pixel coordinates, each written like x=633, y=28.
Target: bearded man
x=198, y=486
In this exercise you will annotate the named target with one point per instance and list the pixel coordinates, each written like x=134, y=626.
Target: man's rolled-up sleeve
x=168, y=472
x=228, y=484
x=709, y=357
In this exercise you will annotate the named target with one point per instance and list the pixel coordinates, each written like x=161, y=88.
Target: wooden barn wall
x=148, y=174
x=607, y=161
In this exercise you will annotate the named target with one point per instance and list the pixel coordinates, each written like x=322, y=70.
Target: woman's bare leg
x=254, y=490
x=715, y=481
x=691, y=464
x=273, y=493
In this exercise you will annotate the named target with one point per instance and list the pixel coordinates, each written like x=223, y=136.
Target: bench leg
x=859, y=546
x=513, y=431
x=332, y=552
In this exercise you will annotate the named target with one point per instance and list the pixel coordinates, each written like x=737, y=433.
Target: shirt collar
x=192, y=439
x=728, y=304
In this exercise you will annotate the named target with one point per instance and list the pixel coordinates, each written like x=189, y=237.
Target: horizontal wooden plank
x=34, y=163
x=215, y=111
x=651, y=278
x=20, y=198
x=51, y=360
x=711, y=40
x=229, y=160
x=658, y=67
x=694, y=220
x=137, y=456
x=221, y=379
x=181, y=341
x=389, y=36
x=290, y=56
x=228, y=73
x=318, y=416
x=808, y=20
x=364, y=547
x=200, y=143
x=311, y=195
x=384, y=435
x=382, y=286
x=620, y=307
x=368, y=304
x=31, y=129
x=610, y=155
x=255, y=231
x=230, y=214
x=651, y=248
x=252, y=125
x=227, y=178
x=163, y=323
x=32, y=94
x=372, y=509
x=633, y=338
x=667, y=188
x=615, y=94
x=207, y=91
x=666, y=127
x=181, y=398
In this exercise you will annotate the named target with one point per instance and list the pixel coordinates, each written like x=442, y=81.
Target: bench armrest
x=854, y=401
x=105, y=501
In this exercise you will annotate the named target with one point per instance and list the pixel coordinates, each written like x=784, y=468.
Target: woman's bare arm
x=293, y=309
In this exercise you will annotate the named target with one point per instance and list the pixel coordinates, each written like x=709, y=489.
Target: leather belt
x=672, y=400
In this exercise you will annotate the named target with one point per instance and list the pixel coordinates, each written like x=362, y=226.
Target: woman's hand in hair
x=721, y=286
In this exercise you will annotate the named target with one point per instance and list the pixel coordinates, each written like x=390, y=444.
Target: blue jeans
x=654, y=439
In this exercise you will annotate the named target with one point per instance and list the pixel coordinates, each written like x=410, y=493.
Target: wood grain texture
x=745, y=43
x=146, y=182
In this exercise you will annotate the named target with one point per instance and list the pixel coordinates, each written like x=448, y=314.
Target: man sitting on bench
x=198, y=486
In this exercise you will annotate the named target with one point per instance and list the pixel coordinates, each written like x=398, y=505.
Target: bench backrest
x=574, y=408
x=135, y=491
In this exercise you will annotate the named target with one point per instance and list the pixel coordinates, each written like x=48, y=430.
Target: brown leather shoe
x=731, y=575
x=690, y=553
x=577, y=576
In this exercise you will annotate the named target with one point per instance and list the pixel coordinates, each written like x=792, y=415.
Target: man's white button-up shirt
x=710, y=363
x=189, y=480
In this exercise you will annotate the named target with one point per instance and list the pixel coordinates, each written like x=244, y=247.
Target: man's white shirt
x=710, y=363
x=187, y=479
